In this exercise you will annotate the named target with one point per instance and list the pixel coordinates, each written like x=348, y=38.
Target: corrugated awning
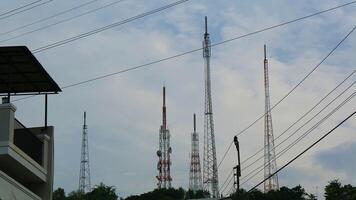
x=22, y=74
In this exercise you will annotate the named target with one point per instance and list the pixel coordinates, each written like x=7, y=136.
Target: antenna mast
x=270, y=164
x=210, y=170
x=195, y=181
x=164, y=153
x=84, y=175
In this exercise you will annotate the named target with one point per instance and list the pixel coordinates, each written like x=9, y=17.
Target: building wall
x=12, y=190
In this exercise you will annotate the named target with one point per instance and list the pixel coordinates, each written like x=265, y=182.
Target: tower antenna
x=210, y=170
x=195, y=181
x=164, y=152
x=270, y=164
x=84, y=174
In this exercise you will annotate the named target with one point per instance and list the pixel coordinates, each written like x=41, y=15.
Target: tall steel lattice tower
x=210, y=170
x=84, y=175
x=270, y=164
x=195, y=181
x=164, y=153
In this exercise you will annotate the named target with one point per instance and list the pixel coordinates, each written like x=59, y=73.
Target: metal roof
x=22, y=74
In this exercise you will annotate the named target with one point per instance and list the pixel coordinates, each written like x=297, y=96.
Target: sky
x=124, y=111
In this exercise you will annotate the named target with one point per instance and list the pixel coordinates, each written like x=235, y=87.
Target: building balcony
x=26, y=154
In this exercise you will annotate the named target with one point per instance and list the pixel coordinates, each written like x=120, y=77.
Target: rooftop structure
x=26, y=154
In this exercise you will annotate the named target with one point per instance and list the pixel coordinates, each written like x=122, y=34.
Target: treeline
x=333, y=191
x=100, y=192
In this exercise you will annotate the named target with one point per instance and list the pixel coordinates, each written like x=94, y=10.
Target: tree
x=102, y=192
x=333, y=191
x=59, y=194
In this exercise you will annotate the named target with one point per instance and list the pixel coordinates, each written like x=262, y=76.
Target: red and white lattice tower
x=195, y=179
x=270, y=164
x=164, y=153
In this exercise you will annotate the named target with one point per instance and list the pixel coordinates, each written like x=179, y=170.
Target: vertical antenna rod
x=269, y=152
x=210, y=170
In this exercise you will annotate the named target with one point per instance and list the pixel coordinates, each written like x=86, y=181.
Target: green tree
x=102, y=192
x=334, y=191
x=59, y=194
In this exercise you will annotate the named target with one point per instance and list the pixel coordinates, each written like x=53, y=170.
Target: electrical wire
x=307, y=149
x=61, y=21
x=230, y=174
x=56, y=44
x=21, y=11
x=47, y=18
x=24, y=6
x=292, y=90
x=303, y=116
x=98, y=30
x=301, y=137
x=195, y=50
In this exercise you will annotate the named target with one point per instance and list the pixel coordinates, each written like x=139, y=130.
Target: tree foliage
x=100, y=192
x=335, y=191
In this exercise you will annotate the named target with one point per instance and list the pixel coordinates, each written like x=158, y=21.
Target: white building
x=26, y=154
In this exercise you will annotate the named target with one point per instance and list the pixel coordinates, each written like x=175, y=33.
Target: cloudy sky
x=124, y=111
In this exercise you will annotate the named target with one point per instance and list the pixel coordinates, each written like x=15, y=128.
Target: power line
x=98, y=30
x=304, y=134
x=307, y=149
x=24, y=6
x=173, y=4
x=21, y=11
x=195, y=50
x=227, y=178
x=304, y=115
x=49, y=17
x=60, y=22
x=294, y=88
x=301, y=137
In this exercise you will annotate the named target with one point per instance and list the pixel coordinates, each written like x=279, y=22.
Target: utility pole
x=237, y=168
x=84, y=175
x=210, y=169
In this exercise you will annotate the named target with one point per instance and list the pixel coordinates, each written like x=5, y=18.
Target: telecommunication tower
x=195, y=181
x=84, y=175
x=270, y=164
x=210, y=170
x=164, y=153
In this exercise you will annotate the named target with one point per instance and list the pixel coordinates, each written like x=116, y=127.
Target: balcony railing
x=28, y=142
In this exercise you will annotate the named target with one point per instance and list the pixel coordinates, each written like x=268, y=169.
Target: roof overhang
x=22, y=74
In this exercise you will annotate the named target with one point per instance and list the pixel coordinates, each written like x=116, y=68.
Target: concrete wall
x=12, y=190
